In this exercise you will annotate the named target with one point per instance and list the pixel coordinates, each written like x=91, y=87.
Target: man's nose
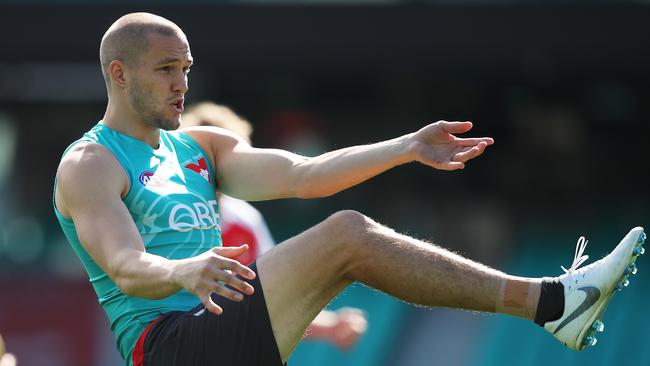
x=181, y=85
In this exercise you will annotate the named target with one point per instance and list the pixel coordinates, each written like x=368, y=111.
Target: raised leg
x=301, y=275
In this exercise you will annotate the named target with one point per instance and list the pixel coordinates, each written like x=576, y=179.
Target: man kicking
x=138, y=205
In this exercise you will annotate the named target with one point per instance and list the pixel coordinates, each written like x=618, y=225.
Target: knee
x=349, y=225
x=350, y=240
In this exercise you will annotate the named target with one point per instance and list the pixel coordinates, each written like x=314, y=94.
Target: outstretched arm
x=259, y=174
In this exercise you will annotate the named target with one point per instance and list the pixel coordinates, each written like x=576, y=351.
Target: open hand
x=435, y=145
x=211, y=271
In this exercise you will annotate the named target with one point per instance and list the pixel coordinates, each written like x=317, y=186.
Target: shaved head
x=128, y=38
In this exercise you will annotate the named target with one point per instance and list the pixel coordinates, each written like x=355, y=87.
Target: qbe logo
x=198, y=215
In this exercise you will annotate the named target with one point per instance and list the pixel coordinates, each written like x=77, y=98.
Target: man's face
x=158, y=81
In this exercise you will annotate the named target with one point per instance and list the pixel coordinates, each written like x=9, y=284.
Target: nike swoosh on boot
x=593, y=294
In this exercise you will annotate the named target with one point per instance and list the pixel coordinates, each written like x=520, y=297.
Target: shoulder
x=214, y=138
x=85, y=157
x=218, y=142
x=89, y=165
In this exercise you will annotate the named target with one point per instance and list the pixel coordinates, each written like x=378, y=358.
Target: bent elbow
x=124, y=286
x=123, y=283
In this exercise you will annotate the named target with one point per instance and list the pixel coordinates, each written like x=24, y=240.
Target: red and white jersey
x=241, y=223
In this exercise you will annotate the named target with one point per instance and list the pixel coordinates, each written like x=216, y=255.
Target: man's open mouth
x=178, y=106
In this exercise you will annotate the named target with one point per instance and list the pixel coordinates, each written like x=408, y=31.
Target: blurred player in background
x=137, y=202
x=241, y=223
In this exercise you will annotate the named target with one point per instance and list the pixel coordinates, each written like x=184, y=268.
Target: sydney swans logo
x=200, y=167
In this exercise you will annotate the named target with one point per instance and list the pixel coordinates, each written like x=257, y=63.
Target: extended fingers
x=473, y=141
x=238, y=268
x=224, y=284
x=439, y=160
x=455, y=127
x=471, y=153
x=220, y=276
x=232, y=281
x=231, y=252
x=212, y=307
x=230, y=264
x=228, y=293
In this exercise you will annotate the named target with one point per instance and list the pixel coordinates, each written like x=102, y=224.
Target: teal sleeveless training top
x=173, y=203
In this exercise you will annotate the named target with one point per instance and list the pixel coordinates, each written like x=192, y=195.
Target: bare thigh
x=300, y=276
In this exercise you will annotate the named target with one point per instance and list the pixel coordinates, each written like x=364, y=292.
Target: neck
x=125, y=120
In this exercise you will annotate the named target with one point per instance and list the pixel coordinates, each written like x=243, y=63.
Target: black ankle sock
x=551, y=301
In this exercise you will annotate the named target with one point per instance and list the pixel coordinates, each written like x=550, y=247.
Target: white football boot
x=588, y=290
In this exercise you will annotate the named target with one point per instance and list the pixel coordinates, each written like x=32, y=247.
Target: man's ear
x=116, y=72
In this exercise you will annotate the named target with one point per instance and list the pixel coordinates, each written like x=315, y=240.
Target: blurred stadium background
x=561, y=85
